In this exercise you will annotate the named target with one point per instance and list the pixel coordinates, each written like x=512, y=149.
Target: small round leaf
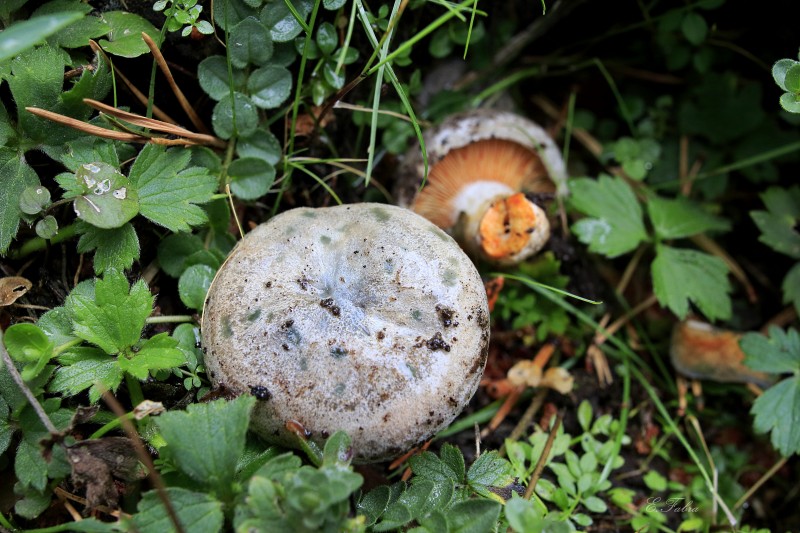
x=245, y=121
x=47, y=228
x=333, y=4
x=212, y=73
x=262, y=144
x=107, y=199
x=791, y=81
x=26, y=343
x=34, y=200
x=327, y=40
x=779, y=70
x=694, y=27
x=125, y=37
x=281, y=22
x=249, y=43
x=335, y=79
x=790, y=102
x=193, y=285
x=270, y=86
x=251, y=178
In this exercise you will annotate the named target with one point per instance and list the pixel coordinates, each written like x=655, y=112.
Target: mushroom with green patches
x=365, y=318
x=484, y=164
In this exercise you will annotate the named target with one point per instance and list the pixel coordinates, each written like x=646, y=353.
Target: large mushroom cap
x=480, y=164
x=364, y=317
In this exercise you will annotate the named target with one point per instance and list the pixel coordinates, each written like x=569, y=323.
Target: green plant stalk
x=318, y=180
x=568, y=126
x=376, y=98
x=297, y=16
x=134, y=388
x=288, y=168
x=504, y=83
x=622, y=105
x=471, y=24
x=347, y=37
x=750, y=161
x=430, y=28
x=152, y=92
x=400, y=91
x=5, y=523
x=37, y=243
x=114, y=424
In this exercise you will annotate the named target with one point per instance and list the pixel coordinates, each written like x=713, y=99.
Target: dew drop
x=103, y=187
x=94, y=169
x=120, y=193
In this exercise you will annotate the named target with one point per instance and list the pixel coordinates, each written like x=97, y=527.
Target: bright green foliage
x=680, y=218
x=234, y=116
x=284, y=496
x=681, y=276
x=196, y=511
x=778, y=409
x=786, y=73
x=269, y=86
x=114, y=318
x=114, y=249
x=614, y=225
x=125, y=34
x=637, y=156
x=106, y=199
x=183, y=14
x=26, y=34
x=251, y=177
x=16, y=176
x=193, y=285
x=168, y=191
x=250, y=43
x=778, y=227
x=29, y=345
x=206, y=440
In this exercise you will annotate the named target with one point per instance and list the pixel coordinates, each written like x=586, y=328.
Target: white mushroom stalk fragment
x=365, y=318
x=481, y=165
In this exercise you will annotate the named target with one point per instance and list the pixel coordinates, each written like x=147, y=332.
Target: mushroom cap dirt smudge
x=365, y=317
x=481, y=164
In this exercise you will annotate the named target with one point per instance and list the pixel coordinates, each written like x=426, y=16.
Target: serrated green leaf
x=778, y=223
x=27, y=33
x=15, y=176
x=114, y=318
x=115, y=249
x=85, y=150
x=270, y=86
x=207, y=439
x=374, y=503
x=197, y=512
x=451, y=456
x=249, y=43
x=125, y=35
x=156, y=353
x=86, y=368
x=777, y=354
x=193, y=285
x=29, y=465
x=778, y=411
x=615, y=225
x=281, y=22
x=212, y=73
x=428, y=466
x=243, y=123
x=679, y=218
x=491, y=476
x=107, y=199
x=791, y=287
x=251, y=178
x=167, y=193
x=681, y=276
x=261, y=144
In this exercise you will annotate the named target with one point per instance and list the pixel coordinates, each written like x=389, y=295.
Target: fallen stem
x=757, y=485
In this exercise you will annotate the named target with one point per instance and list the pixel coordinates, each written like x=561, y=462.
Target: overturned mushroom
x=482, y=164
x=365, y=318
x=701, y=351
